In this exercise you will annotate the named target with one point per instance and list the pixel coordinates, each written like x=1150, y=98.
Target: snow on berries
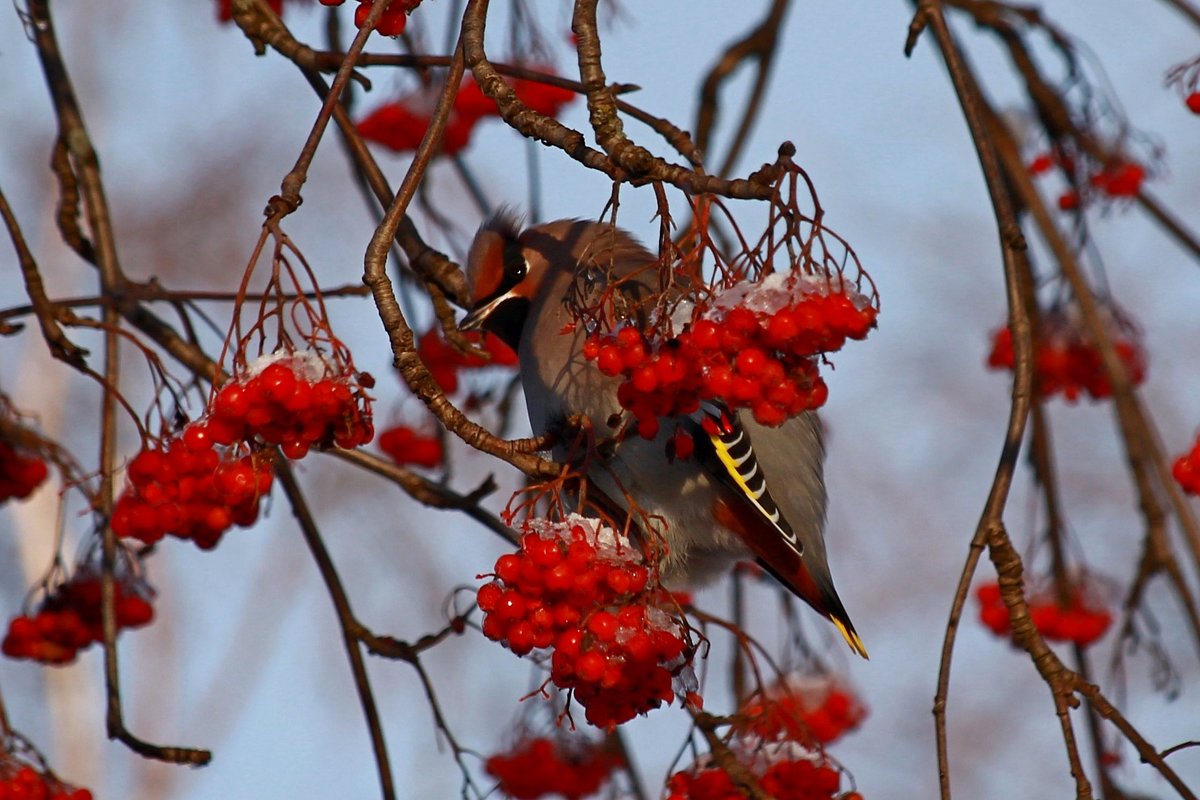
x=1083, y=619
x=785, y=770
x=22, y=780
x=20, y=472
x=68, y=619
x=581, y=593
x=296, y=401
x=755, y=346
x=542, y=767
x=1067, y=363
x=814, y=709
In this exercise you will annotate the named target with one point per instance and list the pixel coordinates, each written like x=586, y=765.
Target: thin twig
x=346, y=620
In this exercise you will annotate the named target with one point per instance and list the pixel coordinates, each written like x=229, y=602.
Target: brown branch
x=990, y=529
x=432, y=494
x=1146, y=751
x=1186, y=9
x=1052, y=107
x=153, y=292
x=85, y=168
x=46, y=313
x=725, y=758
x=759, y=44
x=675, y=136
x=245, y=14
x=601, y=102
x=400, y=335
x=1042, y=458
x=346, y=619
x=614, y=742
x=571, y=142
x=1147, y=463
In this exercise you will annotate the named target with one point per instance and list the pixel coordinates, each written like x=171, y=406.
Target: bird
x=748, y=491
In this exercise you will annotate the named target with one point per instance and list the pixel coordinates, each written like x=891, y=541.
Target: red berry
x=591, y=666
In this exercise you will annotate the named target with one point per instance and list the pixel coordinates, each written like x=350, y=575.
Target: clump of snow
x=306, y=364
x=780, y=290
x=610, y=544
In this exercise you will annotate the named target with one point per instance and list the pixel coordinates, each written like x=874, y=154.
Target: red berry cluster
x=582, y=591
x=1187, y=469
x=391, y=23
x=1065, y=362
x=406, y=446
x=1080, y=621
x=754, y=348
x=798, y=778
x=68, y=620
x=1117, y=179
x=808, y=709
x=444, y=362
x=188, y=489
x=401, y=124
x=541, y=767
x=21, y=781
x=294, y=401
x=19, y=474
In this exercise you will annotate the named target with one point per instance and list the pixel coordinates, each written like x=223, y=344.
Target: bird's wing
x=740, y=469
x=749, y=509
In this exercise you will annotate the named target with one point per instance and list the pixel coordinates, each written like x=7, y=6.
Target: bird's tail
x=822, y=597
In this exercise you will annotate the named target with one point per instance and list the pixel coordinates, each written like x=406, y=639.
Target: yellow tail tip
x=851, y=637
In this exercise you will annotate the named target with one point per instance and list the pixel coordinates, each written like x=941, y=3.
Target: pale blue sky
x=182, y=112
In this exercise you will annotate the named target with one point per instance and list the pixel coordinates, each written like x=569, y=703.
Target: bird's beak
x=474, y=320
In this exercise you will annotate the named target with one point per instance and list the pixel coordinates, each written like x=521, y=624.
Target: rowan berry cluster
x=540, y=767
x=811, y=709
x=21, y=781
x=69, y=620
x=391, y=23
x=293, y=400
x=401, y=124
x=20, y=474
x=1187, y=469
x=1118, y=179
x=190, y=489
x=406, y=446
x=444, y=362
x=582, y=591
x=1067, y=363
x=784, y=771
x=754, y=347
x=1082, y=620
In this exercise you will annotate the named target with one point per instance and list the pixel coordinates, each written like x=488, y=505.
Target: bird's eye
x=515, y=267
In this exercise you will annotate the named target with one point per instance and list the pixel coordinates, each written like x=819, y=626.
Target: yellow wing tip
x=851, y=637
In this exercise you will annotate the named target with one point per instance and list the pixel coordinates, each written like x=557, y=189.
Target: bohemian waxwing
x=748, y=491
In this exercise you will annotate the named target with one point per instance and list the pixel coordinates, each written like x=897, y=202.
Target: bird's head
x=509, y=270
x=500, y=280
